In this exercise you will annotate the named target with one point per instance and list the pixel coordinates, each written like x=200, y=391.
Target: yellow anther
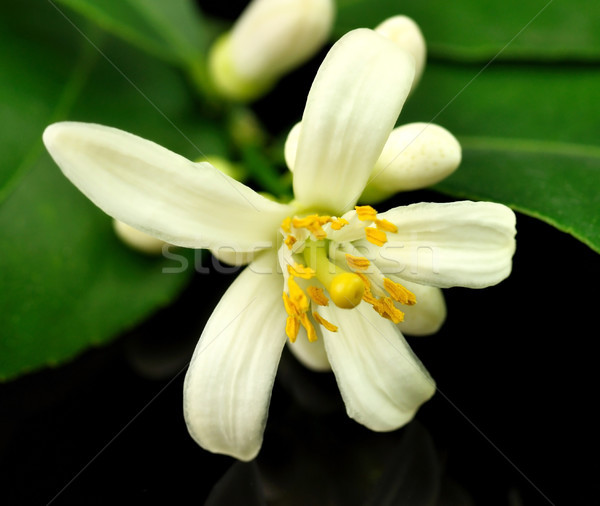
x=292, y=326
x=399, y=293
x=385, y=307
x=365, y=213
x=386, y=226
x=310, y=330
x=346, y=290
x=300, y=271
x=288, y=305
x=357, y=263
x=375, y=236
x=314, y=223
x=290, y=241
x=338, y=223
x=317, y=295
x=285, y=225
x=322, y=321
x=297, y=296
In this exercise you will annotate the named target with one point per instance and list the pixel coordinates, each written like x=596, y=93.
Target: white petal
x=415, y=156
x=274, y=36
x=465, y=243
x=161, y=193
x=351, y=109
x=381, y=381
x=407, y=34
x=311, y=355
x=427, y=315
x=228, y=384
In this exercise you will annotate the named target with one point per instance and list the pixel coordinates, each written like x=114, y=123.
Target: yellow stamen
x=399, y=293
x=346, y=290
x=317, y=296
x=297, y=296
x=292, y=326
x=338, y=223
x=357, y=263
x=289, y=241
x=310, y=330
x=300, y=271
x=375, y=236
x=385, y=307
x=314, y=223
x=386, y=226
x=328, y=325
x=289, y=305
x=285, y=225
x=365, y=213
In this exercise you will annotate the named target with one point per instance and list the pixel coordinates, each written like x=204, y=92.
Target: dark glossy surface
x=513, y=422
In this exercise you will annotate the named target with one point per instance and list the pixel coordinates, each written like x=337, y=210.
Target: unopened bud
x=270, y=38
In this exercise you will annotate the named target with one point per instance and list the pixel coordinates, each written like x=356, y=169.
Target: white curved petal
x=311, y=355
x=231, y=256
x=465, y=243
x=274, y=36
x=407, y=34
x=415, y=156
x=228, y=384
x=429, y=313
x=382, y=382
x=351, y=109
x=161, y=193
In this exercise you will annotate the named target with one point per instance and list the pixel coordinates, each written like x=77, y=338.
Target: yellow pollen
x=300, y=271
x=357, y=263
x=375, y=236
x=338, y=223
x=310, y=330
x=292, y=326
x=297, y=296
x=289, y=241
x=365, y=213
x=317, y=295
x=285, y=225
x=346, y=290
x=290, y=309
x=322, y=321
x=399, y=293
x=385, y=307
x=386, y=226
x=313, y=223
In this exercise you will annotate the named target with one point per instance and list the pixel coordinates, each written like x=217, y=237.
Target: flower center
x=319, y=259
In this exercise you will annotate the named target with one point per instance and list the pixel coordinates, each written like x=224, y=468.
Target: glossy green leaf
x=471, y=30
x=67, y=281
x=529, y=135
x=172, y=30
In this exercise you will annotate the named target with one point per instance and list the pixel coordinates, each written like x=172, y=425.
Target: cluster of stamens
x=346, y=286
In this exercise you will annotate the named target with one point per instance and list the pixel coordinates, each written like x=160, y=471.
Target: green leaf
x=529, y=136
x=68, y=282
x=471, y=30
x=173, y=30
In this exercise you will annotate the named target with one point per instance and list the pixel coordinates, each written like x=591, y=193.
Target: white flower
x=318, y=249
x=270, y=38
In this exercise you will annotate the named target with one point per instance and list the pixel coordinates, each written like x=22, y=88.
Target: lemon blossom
x=328, y=277
x=270, y=38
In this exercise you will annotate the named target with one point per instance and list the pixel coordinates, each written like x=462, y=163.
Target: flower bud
x=270, y=38
x=138, y=240
x=415, y=156
x=407, y=34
